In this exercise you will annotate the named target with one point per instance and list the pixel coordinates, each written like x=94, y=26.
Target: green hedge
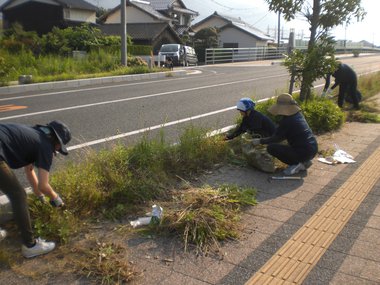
x=139, y=50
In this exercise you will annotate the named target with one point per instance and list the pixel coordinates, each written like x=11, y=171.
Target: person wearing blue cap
x=252, y=121
x=29, y=147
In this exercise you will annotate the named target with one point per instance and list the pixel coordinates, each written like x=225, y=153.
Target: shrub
x=16, y=40
x=5, y=69
x=139, y=50
x=264, y=106
x=136, y=61
x=322, y=115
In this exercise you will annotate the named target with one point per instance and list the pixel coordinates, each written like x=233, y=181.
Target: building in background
x=42, y=16
x=233, y=32
x=151, y=23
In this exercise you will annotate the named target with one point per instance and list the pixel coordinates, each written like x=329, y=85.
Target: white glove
x=256, y=142
x=326, y=92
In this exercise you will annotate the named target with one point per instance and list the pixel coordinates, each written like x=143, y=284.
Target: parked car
x=179, y=54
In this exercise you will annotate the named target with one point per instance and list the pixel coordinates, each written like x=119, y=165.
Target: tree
x=322, y=16
x=205, y=38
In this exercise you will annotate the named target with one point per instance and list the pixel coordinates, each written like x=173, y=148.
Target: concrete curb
x=87, y=82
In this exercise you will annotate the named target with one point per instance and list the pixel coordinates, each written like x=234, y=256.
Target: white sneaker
x=293, y=169
x=3, y=234
x=41, y=247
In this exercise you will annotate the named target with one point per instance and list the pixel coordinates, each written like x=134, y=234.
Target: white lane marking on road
x=90, y=143
x=93, y=88
x=197, y=71
x=135, y=98
x=215, y=132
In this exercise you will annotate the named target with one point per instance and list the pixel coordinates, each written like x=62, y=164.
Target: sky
x=255, y=12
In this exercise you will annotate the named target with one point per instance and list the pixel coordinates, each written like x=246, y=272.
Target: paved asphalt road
x=102, y=111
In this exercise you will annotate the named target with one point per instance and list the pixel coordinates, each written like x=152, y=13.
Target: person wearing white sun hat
x=302, y=145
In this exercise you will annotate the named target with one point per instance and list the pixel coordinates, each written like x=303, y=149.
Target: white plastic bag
x=153, y=217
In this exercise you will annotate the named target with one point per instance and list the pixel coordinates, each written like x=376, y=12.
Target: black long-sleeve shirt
x=344, y=74
x=256, y=123
x=295, y=130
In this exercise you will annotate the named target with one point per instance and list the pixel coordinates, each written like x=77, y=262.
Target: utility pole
x=278, y=33
x=123, y=23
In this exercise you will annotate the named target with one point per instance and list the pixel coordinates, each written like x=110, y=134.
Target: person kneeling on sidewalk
x=302, y=145
x=253, y=121
x=25, y=146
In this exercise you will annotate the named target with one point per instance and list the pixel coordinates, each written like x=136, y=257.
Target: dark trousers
x=17, y=196
x=291, y=155
x=351, y=90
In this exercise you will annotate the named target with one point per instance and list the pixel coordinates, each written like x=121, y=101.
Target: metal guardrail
x=227, y=55
x=224, y=55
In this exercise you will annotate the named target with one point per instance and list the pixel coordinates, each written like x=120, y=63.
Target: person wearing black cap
x=26, y=146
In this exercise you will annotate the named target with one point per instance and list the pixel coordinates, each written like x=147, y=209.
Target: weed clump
x=102, y=262
x=203, y=217
x=114, y=183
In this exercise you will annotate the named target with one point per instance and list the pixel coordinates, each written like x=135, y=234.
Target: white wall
x=79, y=15
x=213, y=22
x=133, y=16
x=232, y=35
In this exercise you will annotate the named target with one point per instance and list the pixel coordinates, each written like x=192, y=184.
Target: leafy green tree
x=100, y=13
x=83, y=37
x=322, y=16
x=205, y=38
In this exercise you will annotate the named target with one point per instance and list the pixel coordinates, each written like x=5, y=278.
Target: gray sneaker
x=41, y=247
x=293, y=169
x=3, y=234
x=307, y=164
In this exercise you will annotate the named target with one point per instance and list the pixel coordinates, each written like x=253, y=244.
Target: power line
x=230, y=8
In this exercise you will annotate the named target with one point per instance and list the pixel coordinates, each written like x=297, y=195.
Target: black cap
x=63, y=134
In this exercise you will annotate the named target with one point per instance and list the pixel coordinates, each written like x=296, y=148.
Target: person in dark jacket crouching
x=253, y=121
x=302, y=145
x=29, y=147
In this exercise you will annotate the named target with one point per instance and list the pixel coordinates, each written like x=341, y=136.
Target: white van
x=179, y=54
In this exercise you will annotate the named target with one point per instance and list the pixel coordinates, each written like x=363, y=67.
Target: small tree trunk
x=307, y=82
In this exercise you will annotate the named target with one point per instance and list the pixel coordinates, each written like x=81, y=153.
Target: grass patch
x=369, y=86
x=113, y=183
x=203, y=217
x=46, y=68
x=6, y=258
x=102, y=262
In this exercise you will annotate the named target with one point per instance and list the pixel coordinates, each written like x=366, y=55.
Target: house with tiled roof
x=150, y=23
x=233, y=32
x=42, y=15
x=181, y=17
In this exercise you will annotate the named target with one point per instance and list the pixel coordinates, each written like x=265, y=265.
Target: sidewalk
x=323, y=229
x=346, y=250
x=350, y=254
